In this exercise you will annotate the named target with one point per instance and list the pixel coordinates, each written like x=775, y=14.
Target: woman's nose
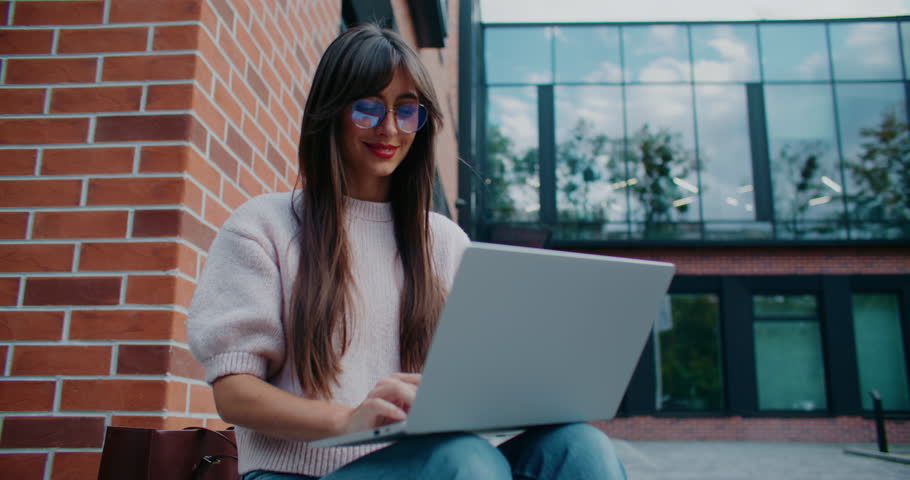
x=388, y=126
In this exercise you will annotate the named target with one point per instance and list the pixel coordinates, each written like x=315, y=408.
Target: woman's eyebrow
x=408, y=96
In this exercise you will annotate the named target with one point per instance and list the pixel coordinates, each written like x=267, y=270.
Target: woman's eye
x=407, y=110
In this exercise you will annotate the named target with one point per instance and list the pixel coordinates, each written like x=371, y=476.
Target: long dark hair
x=361, y=62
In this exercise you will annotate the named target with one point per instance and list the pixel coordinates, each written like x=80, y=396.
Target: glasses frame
x=421, y=114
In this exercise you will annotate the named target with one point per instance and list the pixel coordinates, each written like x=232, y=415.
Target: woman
x=316, y=309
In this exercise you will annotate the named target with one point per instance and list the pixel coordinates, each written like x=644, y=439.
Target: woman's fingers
x=374, y=412
x=395, y=391
x=388, y=402
x=382, y=411
x=412, y=378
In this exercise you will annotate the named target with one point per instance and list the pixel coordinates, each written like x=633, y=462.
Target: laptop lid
x=533, y=337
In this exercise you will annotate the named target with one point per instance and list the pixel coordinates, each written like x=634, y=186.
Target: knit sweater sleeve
x=234, y=325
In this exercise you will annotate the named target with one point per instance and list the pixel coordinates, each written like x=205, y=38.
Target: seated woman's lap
x=556, y=452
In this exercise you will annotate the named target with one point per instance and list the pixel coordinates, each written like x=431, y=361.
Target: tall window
x=873, y=127
x=880, y=350
x=804, y=161
x=662, y=161
x=511, y=180
x=687, y=344
x=590, y=160
x=788, y=354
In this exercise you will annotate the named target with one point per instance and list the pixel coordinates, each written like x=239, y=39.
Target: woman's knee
x=582, y=440
x=465, y=457
x=567, y=451
x=577, y=437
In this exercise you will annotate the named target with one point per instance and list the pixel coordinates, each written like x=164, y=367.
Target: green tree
x=881, y=174
x=690, y=355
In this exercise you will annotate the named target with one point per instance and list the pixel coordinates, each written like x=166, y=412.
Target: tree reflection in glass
x=662, y=177
x=589, y=137
x=876, y=148
x=805, y=168
x=511, y=183
x=882, y=176
x=658, y=165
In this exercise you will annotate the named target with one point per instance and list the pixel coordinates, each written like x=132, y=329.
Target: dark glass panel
x=790, y=371
x=688, y=345
x=784, y=306
x=880, y=350
x=789, y=365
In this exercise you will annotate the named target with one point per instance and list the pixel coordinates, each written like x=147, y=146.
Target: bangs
x=371, y=72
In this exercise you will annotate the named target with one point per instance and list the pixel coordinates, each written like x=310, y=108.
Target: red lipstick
x=382, y=150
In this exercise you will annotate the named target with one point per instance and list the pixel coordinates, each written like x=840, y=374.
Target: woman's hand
x=388, y=402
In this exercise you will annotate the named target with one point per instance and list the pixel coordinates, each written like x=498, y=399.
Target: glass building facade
x=774, y=131
x=746, y=135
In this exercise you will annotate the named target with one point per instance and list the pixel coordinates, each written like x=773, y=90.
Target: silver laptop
x=531, y=337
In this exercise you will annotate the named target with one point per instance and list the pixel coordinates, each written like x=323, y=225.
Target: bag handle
x=206, y=462
x=226, y=439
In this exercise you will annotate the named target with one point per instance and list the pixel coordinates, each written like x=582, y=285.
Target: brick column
x=129, y=130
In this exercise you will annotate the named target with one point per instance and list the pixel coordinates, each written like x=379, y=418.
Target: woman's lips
x=382, y=150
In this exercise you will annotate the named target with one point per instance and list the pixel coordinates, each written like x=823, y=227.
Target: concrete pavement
x=753, y=461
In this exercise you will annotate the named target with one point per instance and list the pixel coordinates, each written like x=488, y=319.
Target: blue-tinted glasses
x=409, y=117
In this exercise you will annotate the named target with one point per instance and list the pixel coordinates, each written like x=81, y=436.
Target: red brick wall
x=828, y=430
x=129, y=130
x=775, y=260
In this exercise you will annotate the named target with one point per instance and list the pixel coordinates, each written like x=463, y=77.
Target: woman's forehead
x=401, y=85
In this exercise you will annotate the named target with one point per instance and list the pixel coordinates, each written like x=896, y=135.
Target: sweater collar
x=372, y=211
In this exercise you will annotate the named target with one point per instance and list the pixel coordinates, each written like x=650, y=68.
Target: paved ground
x=752, y=461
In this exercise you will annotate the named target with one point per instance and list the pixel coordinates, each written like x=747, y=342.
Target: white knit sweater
x=238, y=321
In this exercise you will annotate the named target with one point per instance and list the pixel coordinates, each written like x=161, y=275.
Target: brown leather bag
x=149, y=454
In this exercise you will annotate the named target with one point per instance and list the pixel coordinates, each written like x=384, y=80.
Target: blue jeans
x=575, y=451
